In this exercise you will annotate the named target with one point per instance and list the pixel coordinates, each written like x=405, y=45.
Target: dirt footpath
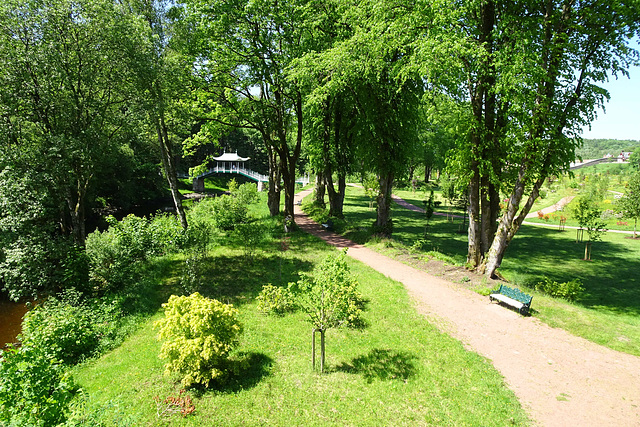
x=560, y=379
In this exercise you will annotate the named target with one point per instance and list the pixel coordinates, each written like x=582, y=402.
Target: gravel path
x=560, y=379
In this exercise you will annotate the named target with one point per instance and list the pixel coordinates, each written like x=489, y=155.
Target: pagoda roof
x=230, y=157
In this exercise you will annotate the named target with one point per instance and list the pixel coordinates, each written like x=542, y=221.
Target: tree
x=61, y=95
x=629, y=204
x=530, y=70
x=634, y=160
x=330, y=110
x=329, y=296
x=160, y=75
x=588, y=216
x=370, y=67
x=428, y=211
x=242, y=51
x=198, y=334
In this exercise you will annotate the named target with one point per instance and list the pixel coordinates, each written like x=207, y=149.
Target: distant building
x=624, y=156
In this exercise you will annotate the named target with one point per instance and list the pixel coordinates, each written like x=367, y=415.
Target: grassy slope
x=400, y=370
x=609, y=312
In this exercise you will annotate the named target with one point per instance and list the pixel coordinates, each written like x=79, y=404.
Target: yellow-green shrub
x=199, y=334
x=275, y=300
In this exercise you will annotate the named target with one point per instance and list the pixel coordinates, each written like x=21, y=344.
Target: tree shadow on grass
x=609, y=279
x=233, y=279
x=381, y=364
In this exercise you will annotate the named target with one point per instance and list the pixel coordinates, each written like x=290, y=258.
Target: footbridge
x=198, y=181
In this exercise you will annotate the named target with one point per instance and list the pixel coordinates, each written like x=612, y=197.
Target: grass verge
x=608, y=312
x=400, y=370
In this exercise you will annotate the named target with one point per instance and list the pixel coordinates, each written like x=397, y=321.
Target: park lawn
x=418, y=197
x=399, y=370
x=609, y=311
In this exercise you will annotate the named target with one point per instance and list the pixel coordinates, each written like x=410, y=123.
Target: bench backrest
x=515, y=294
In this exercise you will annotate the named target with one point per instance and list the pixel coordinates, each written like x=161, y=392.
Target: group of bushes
x=199, y=333
x=80, y=321
x=99, y=291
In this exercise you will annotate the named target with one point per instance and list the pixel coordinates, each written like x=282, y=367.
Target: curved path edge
x=559, y=378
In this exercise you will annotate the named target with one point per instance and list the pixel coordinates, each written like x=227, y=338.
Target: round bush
x=198, y=333
x=275, y=300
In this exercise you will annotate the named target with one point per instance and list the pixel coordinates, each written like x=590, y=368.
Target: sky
x=622, y=117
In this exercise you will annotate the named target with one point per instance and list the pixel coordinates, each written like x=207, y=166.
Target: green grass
x=609, y=311
x=399, y=370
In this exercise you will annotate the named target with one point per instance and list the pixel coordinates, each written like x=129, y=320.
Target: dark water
x=10, y=321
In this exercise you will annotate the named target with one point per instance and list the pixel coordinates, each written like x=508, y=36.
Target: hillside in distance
x=598, y=148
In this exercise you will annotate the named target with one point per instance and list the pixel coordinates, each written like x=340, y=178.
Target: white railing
x=248, y=173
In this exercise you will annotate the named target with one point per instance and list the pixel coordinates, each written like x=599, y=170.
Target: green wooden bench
x=513, y=297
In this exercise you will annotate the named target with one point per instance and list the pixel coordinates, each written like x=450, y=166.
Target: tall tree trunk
x=383, y=211
x=288, y=157
x=77, y=212
x=320, y=189
x=509, y=223
x=336, y=198
x=273, y=193
x=170, y=169
x=474, y=250
x=490, y=211
x=289, y=183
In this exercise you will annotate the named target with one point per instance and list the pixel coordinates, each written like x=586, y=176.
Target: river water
x=10, y=321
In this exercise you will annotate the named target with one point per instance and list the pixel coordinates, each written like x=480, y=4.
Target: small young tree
x=428, y=211
x=371, y=188
x=330, y=298
x=448, y=191
x=630, y=203
x=587, y=214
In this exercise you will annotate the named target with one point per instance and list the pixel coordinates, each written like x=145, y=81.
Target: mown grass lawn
x=609, y=311
x=399, y=370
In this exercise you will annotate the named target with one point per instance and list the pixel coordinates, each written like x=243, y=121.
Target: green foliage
x=68, y=329
x=571, y=290
x=329, y=294
x=630, y=203
x=35, y=390
x=251, y=235
x=116, y=254
x=588, y=215
x=275, y=300
x=192, y=278
x=371, y=185
x=168, y=234
x=75, y=269
x=596, y=188
x=246, y=193
x=233, y=185
x=198, y=333
x=25, y=266
x=227, y=212
x=598, y=148
x=634, y=159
